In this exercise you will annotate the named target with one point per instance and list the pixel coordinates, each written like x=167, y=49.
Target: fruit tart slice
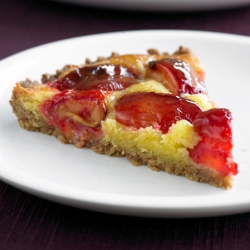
x=153, y=108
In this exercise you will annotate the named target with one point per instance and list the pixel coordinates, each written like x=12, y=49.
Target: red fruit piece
x=99, y=77
x=215, y=148
x=141, y=109
x=76, y=114
x=176, y=75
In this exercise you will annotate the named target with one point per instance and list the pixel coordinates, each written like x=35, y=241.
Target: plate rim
x=136, y=208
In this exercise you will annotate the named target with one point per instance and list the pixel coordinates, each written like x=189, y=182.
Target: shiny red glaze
x=76, y=114
x=141, y=109
x=215, y=148
x=100, y=77
x=176, y=75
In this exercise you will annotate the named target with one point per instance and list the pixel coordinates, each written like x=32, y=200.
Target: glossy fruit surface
x=104, y=77
x=215, y=148
x=141, y=109
x=75, y=114
x=176, y=75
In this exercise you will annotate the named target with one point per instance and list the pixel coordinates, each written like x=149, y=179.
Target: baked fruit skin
x=214, y=149
x=153, y=108
x=141, y=110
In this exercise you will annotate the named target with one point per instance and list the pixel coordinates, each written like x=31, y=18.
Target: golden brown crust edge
x=26, y=118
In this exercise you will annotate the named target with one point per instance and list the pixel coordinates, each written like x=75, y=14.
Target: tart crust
x=28, y=95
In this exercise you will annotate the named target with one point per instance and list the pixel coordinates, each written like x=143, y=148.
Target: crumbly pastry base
x=193, y=172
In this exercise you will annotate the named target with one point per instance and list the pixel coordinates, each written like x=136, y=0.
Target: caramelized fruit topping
x=79, y=109
x=72, y=111
x=141, y=109
x=215, y=148
x=176, y=75
x=102, y=77
x=135, y=62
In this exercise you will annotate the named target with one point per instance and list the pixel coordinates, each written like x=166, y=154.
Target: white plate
x=162, y=5
x=41, y=165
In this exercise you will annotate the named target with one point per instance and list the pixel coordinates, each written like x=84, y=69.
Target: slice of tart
x=153, y=108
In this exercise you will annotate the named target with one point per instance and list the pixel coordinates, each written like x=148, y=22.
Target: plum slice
x=106, y=77
x=176, y=75
x=77, y=115
x=141, y=109
x=215, y=148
